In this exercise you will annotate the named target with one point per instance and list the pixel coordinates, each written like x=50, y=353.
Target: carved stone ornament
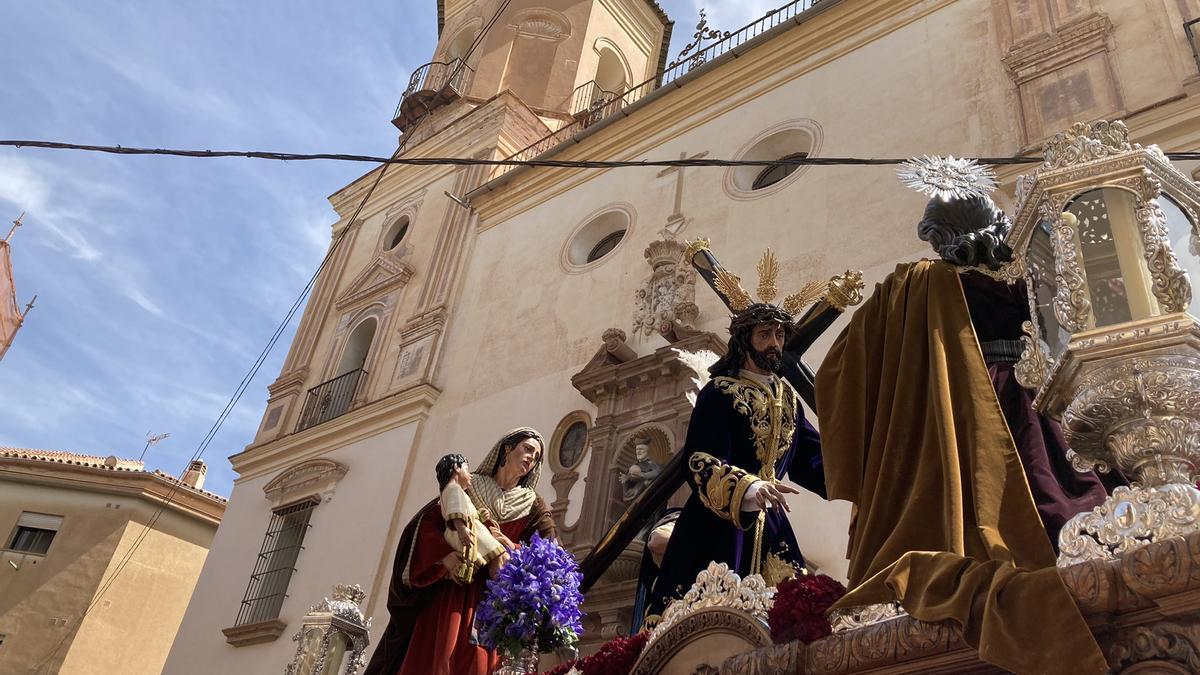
x=1129, y=519
x=668, y=295
x=857, y=617
x=381, y=276
x=1086, y=142
x=718, y=586
x=327, y=621
x=309, y=477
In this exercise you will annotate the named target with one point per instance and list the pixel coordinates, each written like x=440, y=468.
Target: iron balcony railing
x=686, y=63
x=590, y=95
x=437, y=76
x=330, y=399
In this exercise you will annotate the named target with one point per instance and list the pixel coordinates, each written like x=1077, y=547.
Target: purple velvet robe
x=997, y=312
x=720, y=461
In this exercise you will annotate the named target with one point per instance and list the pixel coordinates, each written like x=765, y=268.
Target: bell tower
x=559, y=57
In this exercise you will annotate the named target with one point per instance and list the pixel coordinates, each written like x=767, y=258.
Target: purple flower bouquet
x=533, y=603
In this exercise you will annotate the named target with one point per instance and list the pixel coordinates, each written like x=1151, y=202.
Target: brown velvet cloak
x=912, y=433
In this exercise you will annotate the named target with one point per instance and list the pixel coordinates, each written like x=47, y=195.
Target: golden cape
x=912, y=433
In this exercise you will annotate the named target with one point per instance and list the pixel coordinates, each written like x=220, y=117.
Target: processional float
x=1106, y=238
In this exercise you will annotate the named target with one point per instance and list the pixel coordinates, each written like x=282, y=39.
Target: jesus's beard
x=770, y=360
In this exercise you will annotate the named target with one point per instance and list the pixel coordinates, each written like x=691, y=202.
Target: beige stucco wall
x=132, y=626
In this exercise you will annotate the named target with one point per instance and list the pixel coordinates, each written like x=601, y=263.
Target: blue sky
x=160, y=279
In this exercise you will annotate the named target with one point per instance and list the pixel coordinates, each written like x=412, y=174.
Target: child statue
x=465, y=530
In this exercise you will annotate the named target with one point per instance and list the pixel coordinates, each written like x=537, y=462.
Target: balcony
x=330, y=399
x=590, y=97
x=432, y=85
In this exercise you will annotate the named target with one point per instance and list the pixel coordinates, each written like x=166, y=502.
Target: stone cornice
x=829, y=31
x=387, y=413
x=599, y=380
x=1030, y=58
x=288, y=380
x=153, y=488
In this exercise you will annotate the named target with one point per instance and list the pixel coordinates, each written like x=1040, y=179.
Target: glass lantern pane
x=310, y=652
x=1040, y=261
x=338, y=645
x=1181, y=233
x=1106, y=241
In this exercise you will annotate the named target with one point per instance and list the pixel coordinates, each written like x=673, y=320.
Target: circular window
x=794, y=139
x=569, y=443
x=607, y=244
x=600, y=234
x=773, y=174
x=396, y=233
x=573, y=443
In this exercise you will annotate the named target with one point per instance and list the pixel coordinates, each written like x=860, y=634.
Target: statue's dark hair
x=739, y=336
x=446, y=467
x=967, y=232
x=509, y=442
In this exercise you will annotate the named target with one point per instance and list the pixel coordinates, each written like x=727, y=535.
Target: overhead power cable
x=472, y=161
x=249, y=376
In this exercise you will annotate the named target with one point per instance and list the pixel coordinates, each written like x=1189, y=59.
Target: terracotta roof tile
x=110, y=463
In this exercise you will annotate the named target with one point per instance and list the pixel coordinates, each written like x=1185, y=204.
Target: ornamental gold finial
x=768, y=277
x=845, y=290
x=729, y=285
x=694, y=247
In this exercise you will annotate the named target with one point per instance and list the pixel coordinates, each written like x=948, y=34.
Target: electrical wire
x=557, y=163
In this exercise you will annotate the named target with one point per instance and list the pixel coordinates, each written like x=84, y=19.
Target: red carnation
x=800, y=607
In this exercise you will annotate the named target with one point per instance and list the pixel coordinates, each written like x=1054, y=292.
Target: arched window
x=354, y=355
x=610, y=77
x=460, y=44
x=773, y=174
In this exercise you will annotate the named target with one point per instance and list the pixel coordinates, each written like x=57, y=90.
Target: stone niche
x=636, y=397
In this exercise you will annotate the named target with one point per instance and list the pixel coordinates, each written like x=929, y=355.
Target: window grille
x=276, y=562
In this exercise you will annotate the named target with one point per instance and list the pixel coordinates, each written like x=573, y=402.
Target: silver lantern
x=1106, y=236
x=333, y=636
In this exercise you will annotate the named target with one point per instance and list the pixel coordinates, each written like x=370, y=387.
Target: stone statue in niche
x=641, y=473
x=668, y=295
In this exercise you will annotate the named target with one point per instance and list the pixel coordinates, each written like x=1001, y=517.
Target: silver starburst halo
x=947, y=177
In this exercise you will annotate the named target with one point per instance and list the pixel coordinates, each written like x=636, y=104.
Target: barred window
x=276, y=562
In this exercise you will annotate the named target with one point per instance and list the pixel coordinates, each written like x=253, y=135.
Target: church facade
x=463, y=301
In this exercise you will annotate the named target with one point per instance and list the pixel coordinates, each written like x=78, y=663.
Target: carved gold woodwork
x=1144, y=609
